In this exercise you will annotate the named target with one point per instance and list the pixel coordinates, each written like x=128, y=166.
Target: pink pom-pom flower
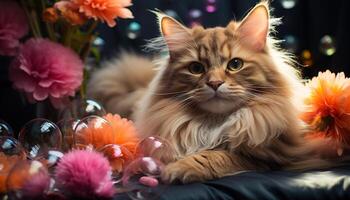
x=37, y=186
x=13, y=26
x=45, y=69
x=85, y=174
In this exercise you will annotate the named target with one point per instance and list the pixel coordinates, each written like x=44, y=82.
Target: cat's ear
x=174, y=33
x=169, y=26
x=254, y=28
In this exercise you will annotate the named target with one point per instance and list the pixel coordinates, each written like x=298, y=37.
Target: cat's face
x=218, y=69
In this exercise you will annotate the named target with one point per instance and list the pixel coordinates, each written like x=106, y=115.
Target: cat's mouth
x=218, y=96
x=218, y=104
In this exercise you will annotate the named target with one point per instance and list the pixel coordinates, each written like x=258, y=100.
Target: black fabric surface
x=314, y=185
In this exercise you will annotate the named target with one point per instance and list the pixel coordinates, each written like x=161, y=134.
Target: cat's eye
x=235, y=64
x=196, y=68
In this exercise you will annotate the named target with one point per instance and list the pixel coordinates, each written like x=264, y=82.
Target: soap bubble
x=38, y=136
x=52, y=158
x=327, y=45
x=28, y=179
x=93, y=131
x=5, y=129
x=11, y=153
x=118, y=156
x=156, y=147
x=67, y=127
x=80, y=108
x=9, y=146
x=141, y=178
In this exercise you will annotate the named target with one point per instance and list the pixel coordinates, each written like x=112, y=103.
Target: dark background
x=316, y=31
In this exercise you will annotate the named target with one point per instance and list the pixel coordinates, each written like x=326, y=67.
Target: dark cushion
x=328, y=184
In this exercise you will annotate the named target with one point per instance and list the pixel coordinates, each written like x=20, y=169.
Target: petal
x=121, y=3
x=46, y=83
x=111, y=22
x=8, y=47
x=40, y=94
x=125, y=13
x=21, y=80
x=30, y=97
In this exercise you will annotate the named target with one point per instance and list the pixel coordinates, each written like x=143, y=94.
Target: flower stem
x=29, y=17
x=83, y=84
x=36, y=22
x=84, y=53
x=49, y=26
x=92, y=27
x=68, y=35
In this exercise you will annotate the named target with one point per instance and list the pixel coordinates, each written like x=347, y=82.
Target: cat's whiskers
x=260, y=98
x=259, y=91
x=268, y=87
x=167, y=93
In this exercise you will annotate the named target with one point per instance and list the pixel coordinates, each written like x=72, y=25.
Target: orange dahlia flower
x=70, y=12
x=117, y=139
x=105, y=10
x=327, y=107
x=7, y=162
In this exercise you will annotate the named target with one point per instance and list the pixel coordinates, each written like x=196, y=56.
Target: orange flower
x=7, y=162
x=70, y=12
x=119, y=131
x=50, y=15
x=105, y=10
x=327, y=106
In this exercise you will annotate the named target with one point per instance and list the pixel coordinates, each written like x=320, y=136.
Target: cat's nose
x=215, y=84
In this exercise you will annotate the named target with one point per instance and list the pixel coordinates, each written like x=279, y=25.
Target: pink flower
x=85, y=174
x=13, y=26
x=45, y=69
x=37, y=186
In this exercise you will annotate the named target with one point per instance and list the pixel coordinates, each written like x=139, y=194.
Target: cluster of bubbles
x=41, y=143
x=327, y=44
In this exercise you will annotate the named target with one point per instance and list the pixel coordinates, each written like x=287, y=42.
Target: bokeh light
x=327, y=45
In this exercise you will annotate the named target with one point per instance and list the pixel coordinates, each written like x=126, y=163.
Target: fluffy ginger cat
x=226, y=99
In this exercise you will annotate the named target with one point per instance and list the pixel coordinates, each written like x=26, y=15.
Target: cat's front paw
x=184, y=172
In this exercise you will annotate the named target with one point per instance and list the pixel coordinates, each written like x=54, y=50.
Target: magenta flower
x=45, y=69
x=13, y=26
x=37, y=186
x=85, y=174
